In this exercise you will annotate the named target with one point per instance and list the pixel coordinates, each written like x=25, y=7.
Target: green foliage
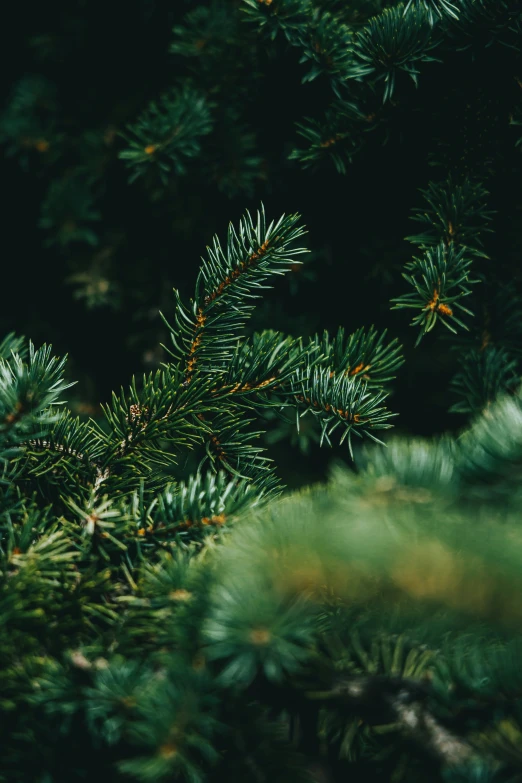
x=85, y=504
x=440, y=279
x=453, y=221
x=209, y=329
x=487, y=22
x=206, y=33
x=205, y=400
x=329, y=48
x=491, y=451
x=343, y=401
x=454, y=214
x=337, y=138
x=166, y=612
x=68, y=211
x=29, y=393
x=168, y=133
x=364, y=354
x=258, y=633
x=175, y=725
x=396, y=41
x=436, y=8
x=369, y=622
x=483, y=375
x=11, y=344
x=287, y=16
x=27, y=125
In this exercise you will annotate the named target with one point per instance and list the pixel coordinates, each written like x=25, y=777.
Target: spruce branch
x=29, y=397
x=257, y=631
x=206, y=502
x=206, y=33
x=49, y=458
x=453, y=214
x=174, y=727
x=11, y=344
x=364, y=354
x=440, y=279
x=209, y=330
x=343, y=401
x=263, y=364
x=436, y=9
x=199, y=399
x=395, y=41
x=150, y=426
x=482, y=23
x=229, y=446
x=338, y=137
x=291, y=17
x=328, y=46
x=164, y=622
x=167, y=134
x=71, y=437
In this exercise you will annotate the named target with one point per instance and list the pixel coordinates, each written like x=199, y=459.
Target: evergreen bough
x=198, y=628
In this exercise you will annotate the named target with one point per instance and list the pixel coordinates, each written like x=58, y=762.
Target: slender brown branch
x=418, y=723
x=401, y=701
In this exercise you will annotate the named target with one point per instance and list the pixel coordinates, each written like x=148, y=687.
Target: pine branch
x=29, y=394
x=453, y=214
x=291, y=17
x=229, y=446
x=338, y=137
x=328, y=46
x=482, y=23
x=363, y=354
x=343, y=401
x=149, y=427
x=441, y=279
x=436, y=9
x=396, y=41
x=209, y=331
x=193, y=509
x=167, y=134
x=264, y=367
x=69, y=438
x=11, y=344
